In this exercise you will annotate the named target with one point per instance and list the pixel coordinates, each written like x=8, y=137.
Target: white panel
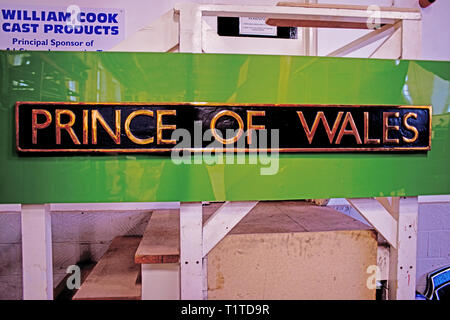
x=161, y=281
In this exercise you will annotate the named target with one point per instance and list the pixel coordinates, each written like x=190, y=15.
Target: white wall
x=436, y=31
x=139, y=13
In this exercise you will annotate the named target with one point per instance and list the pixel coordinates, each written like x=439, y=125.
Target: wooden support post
x=196, y=241
x=191, y=251
x=411, y=39
x=190, y=27
x=37, y=265
x=396, y=220
x=310, y=44
x=402, y=260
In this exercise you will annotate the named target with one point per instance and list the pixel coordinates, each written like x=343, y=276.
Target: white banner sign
x=256, y=26
x=60, y=28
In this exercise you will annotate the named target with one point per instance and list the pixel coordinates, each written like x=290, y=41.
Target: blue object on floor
x=438, y=284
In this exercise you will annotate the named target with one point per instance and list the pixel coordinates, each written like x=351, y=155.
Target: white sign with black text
x=60, y=28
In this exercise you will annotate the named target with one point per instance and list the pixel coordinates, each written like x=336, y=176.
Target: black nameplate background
x=292, y=136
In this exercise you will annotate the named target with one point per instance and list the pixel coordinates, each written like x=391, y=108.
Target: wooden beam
x=364, y=40
x=343, y=6
x=284, y=12
x=317, y=24
x=329, y=22
x=159, y=256
x=161, y=240
x=391, y=48
x=390, y=204
x=378, y=217
x=222, y=221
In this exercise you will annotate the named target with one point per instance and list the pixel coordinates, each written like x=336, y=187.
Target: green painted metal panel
x=176, y=77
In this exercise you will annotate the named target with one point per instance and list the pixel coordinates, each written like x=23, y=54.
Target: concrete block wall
x=10, y=257
x=433, y=238
x=433, y=244
x=76, y=236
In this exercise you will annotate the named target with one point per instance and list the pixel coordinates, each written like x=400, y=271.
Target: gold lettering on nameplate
x=410, y=127
x=354, y=131
x=368, y=140
x=148, y=128
x=35, y=125
x=97, y=117
x=387, y=127
x=160, y=126
x=128, y=132
x=251, y=126
x=230, y=114
x=66, y=126
x=320, y=116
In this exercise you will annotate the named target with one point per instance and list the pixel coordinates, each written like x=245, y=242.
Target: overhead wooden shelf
x=343, y=6
x=317, y=24
x=334, y=16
